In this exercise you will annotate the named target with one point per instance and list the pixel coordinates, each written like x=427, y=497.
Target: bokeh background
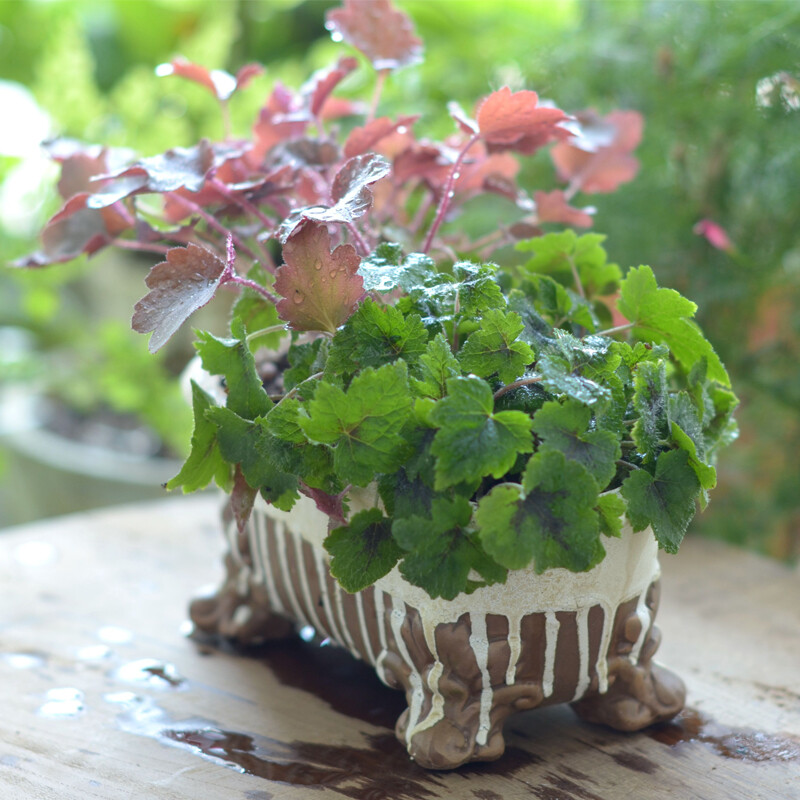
x=717, y=82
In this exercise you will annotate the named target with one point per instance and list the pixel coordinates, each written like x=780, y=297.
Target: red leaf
x=381, y=32
x=186, y=281
x=515, y=121
x=281, y=118
x=319, y=87
x=77, y=229
x=219, y=82
x=598, y=158
x=365, y=139
x=178, y=168
x=246, y=74
x=320, y=288
x=553, y=207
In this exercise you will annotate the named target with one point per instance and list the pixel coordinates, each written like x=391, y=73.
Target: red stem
x=376, y=94
x=447, y=195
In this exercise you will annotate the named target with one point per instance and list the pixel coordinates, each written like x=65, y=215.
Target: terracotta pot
x=466, y=664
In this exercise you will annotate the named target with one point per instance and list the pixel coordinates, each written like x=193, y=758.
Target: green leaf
x=305, y=360
x=257, y=314
x=363, y=550
x=473, y=442
x=651, y=402
x=246, y=443
x=495, y=348
x=611, y=508
x=566, y=428
x=706, y=474
x=663, y=315
x=549, y=519
x=441, y=551
x=232, y=359
x=557, y=253
x=363, y=424
x=665, y=501
x=376, y=335
x=437, y=366
x=205, y=461
x=386, y=269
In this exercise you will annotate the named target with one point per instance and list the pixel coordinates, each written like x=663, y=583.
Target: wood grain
x=95, y=602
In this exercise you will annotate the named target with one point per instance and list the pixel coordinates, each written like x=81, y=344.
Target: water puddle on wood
x=154, y=674
x=691, y=726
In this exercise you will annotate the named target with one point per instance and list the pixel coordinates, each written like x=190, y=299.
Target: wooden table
x=103, y=696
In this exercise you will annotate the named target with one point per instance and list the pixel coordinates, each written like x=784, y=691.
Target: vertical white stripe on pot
x=479, y=642
x=302, y=577
x=380, y=618
x=348, y=641
x=643, y=612
x=254, y=539
x=282, y=544
x=514, y=646
x=265, y=530
x=243, y=573
x=398, y=616
x=584, y=667
x=369, y=653
x=432, y=677
x=605, y=643
x=551, y=629
x=322, y=574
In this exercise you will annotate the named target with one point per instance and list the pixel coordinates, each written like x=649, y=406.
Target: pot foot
x=639, y=695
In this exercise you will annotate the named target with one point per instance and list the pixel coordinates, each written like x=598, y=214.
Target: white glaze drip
x=643, y=612
x=345, y=628
x=380, y=617
x=322, y=570
x=514, y=646
x=584, y=669
x=551, y=629
x=397, y=616
x=605, y=643
x=369, y=653
x=281, y=543
x=479, y=642
x=314, y=620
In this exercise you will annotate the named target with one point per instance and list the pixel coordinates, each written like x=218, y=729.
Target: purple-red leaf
x=319, y=87
x=283, y=117
x=350, y=192
x=381, y=32
x=186, y=281
x=178, y=168
x=320, y=288
x=76, y=229
x=515, y=121
x=365, y=139
x=219, y=82
x=599, y=158
x=467, y=125
x=246, y=74
x=553, y=207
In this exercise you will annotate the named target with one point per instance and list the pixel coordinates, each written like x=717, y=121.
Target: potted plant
x=458, y=470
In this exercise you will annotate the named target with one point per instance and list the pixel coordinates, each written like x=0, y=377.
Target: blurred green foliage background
x=717, y=82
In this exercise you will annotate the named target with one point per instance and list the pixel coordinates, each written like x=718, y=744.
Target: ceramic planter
x=466, y=664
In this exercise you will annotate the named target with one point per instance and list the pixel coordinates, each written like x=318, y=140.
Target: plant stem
x=242, y=202
x=380, y=80
x=293, y=392
x=628, y=464
x=265, y=332
x=576, y=277
x=516, y=384
x=213, y=223
x=226, y=119
x=360, y=241
x=143, y=247
x=448, y=193
x=229, y=274
x=617, y=329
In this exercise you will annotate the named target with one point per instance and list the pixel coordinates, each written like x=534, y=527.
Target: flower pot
x=465, y=664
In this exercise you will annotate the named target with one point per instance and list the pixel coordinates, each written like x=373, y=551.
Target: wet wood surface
x=104, y=696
